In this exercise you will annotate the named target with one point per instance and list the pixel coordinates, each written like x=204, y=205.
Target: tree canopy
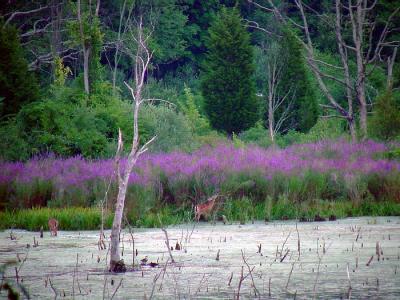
x=62, y=73
x=227, y=78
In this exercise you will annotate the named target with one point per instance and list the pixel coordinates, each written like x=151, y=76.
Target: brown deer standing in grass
x=205, y=209
x=53, y=226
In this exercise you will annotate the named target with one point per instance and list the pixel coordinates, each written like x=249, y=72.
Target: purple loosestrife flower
x=210, y=166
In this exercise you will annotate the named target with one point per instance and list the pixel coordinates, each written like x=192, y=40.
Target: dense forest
x=261, y=72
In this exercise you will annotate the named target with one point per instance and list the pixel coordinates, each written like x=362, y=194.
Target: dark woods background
x=227, y=69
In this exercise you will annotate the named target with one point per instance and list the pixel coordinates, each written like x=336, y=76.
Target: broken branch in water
x=116, y=289
x=256, y=292
x=156, y=277
x=167, y=239
x=241, y=279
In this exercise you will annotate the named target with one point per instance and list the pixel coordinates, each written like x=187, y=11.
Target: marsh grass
x=353, y=179
x=241, y=210
x=73, y=218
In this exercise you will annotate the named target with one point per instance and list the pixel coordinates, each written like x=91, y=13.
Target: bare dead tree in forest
x=359, y=17
x=143, y=58
x=44, y=22
x=86, y=44
x=123, y=28
x=390, y=64
x=274, y=99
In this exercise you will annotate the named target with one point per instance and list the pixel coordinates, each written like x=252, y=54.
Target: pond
x=348, y=258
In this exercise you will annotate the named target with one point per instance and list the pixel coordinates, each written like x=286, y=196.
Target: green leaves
x=385, y=122
x=17, y=85
x=227, y=83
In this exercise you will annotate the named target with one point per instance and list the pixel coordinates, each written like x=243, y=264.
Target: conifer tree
x=227, y=78
x=17, y=85
x=305, y=108
x=385, y=121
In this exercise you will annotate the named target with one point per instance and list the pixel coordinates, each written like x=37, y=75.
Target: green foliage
x=66, y=125
x=171, y=37
x=227, y=83
x=385, y=123
x=168, y=215
x=13, y=146
x=392, y=154
x=324, y=129
x=239, y=209
x=74, y=218
x=91, y=36
x=63, y=129
x=305, y=109
x=171, y=128
x=256, y=135
x=17, y=85
x=199, y=125
x=237, y=142
x=61, y=72
x=242, y=210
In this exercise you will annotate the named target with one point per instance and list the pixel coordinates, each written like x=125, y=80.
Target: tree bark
x=271, y=121
x=115, y=256
x=390, y=65
x=143, y=58
x=85, y=48
x=86, y=57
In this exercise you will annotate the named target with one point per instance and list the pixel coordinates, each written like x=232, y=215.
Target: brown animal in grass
x=53, y=227
x=205, y=209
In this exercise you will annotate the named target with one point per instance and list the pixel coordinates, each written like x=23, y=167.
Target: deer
x=205, y=209
x=53, y=226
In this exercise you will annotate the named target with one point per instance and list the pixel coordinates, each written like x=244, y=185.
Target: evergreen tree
x=227, y=79
x=385, y=122
x=305, y=107
x=17, y=85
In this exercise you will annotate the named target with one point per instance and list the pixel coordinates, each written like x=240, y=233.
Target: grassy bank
x=326, y=178
x=241, y=210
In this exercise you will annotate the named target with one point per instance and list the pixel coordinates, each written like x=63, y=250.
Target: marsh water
x=331, y=264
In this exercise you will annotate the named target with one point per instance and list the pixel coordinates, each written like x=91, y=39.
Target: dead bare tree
x=123, y=27
x=275, y=100
x=143, y=58
x=86, y=43
x=390, y=64
x=359, y=18
x=361, y=23
x=46, y=23
x=24, y=13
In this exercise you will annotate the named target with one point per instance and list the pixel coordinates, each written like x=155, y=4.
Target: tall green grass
x=241, y=210
x=73, y=218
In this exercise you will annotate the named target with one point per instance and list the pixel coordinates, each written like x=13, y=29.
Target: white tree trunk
x=116, y=265
x=143, y=57
x=86, y=57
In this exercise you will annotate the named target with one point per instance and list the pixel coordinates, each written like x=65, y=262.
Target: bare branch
x=261, y=6
x=144, y=148
x=255, y=25
x=256, y=292
x=151, y=100
x=22, y=13
x=326, y=64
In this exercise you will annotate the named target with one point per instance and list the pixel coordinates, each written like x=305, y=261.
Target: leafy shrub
x=240, y=209
x=385, y=123
x=324, y=129
x=256, y=135
x=13, y=146
x=171, y=128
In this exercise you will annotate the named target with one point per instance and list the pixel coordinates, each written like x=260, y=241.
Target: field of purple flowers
x=328, y=170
